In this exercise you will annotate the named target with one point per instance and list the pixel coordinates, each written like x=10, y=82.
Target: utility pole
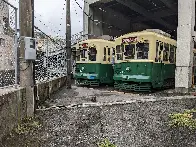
x=26, y=67
x=68, y=44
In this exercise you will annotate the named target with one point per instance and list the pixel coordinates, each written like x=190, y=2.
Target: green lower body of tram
x=143, y=76
x=93, y=74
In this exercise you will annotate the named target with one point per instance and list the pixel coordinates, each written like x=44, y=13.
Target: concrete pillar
x=185, y=45
x=86, y=19
x=90, y=26
x=97, y=24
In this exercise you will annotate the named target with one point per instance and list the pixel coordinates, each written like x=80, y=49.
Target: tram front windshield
x=129, y=51
x=142, y=50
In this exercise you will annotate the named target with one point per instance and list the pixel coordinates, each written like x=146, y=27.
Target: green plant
x=106, y=143
x=27, y=125
x=184, y=119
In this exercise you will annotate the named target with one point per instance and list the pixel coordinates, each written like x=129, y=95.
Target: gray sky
x=51, y=13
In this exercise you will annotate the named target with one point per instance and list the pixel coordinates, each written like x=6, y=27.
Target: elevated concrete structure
x=185, y=44
x=117, y=17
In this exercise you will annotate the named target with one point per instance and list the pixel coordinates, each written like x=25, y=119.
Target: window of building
x=172, y=54
x=166, y=52
x=142, y=50
x=129, y=51
x=92, y=54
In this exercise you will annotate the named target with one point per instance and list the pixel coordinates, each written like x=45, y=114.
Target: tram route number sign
x=129, y=40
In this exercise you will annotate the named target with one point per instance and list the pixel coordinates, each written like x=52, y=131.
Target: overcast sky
x=52, y=14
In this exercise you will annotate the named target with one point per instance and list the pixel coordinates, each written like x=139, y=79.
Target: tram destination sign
x=129, y=40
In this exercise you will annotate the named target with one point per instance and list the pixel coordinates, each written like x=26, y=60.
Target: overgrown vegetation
x=106, y=143
x=186, y=119
x=27, y=125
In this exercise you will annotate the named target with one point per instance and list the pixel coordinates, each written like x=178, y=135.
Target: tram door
x=107, y=54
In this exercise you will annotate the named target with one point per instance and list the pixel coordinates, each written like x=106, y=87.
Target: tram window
x=104, y=57
x=166, y=52
x=119, y=57
x=172, y=52
x=129, y=51
x=122, y=48
x=83, y=53
x=175, y=54
x=113, y=53
x=92, y=54
x=119, y=52
x=157, y=51
x=160, y=51
x=109, y=54
x=161, y=46
x=109, y=51
x=118, y=49
x=142, y=50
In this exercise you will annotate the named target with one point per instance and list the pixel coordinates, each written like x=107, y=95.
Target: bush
x=106, y=143
x=185, y=119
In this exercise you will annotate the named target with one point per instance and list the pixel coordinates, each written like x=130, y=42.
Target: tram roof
x=96, y=40
x=146, y=33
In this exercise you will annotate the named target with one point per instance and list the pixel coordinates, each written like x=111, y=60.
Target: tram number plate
x=92, y=77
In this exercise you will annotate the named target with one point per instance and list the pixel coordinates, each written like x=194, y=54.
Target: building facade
x=6, y=41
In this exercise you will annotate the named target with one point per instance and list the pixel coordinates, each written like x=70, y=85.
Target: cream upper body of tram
x=145, y=46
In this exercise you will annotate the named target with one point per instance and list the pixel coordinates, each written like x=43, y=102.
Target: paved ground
x=76, y=96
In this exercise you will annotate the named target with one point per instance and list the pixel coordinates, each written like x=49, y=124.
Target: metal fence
x=8, y=44
x=51, y=53
x=51, y=58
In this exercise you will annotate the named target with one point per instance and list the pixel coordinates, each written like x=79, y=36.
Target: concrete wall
x=45, y=89
x=13, y=104
x=12, y=109
x=134, y=124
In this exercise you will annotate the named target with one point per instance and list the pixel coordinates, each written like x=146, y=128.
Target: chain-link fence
x=51, y=57
x=8, y=44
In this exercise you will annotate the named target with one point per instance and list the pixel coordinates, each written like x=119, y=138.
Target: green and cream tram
x=94, y=62
x=144, y=60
